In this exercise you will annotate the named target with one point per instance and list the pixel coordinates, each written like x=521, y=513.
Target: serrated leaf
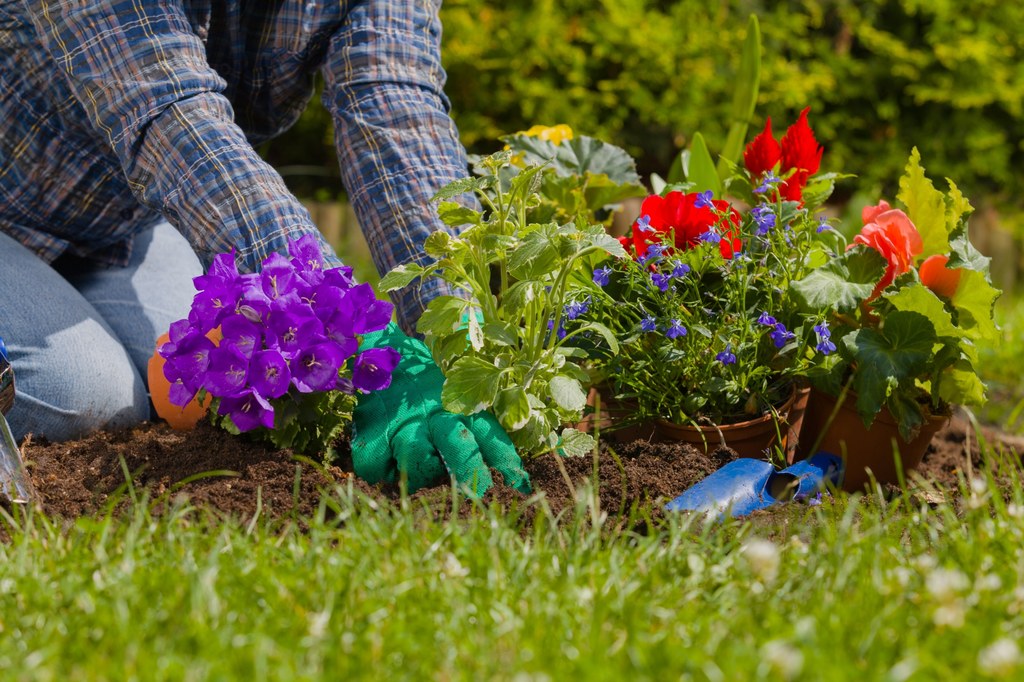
x=701, y=171
x=957, y=207
x=512, y=408
x=962, y=253
x=447, y=349
x=536, y=256
x=575, y=443
x=455, y=214
x=474, y=332
x=460, y=186
x=567, y=393
x=842, y=284
x=920, y=299
x=886, y=357
x=519, y=295
x=444, y=315
x=598, y=237
x=401, y=276
x=471, y=385
x=438, y=244
x=579, y=156
x=960, y=385
x=975, y=300
x=926, y=207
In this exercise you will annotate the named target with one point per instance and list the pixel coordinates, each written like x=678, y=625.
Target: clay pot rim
x=884, y=415
x=780, y=411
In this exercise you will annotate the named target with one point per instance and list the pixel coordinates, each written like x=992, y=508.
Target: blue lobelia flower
x=601, y=276
x=780, y=335
x=766, y=319
x=675, y=329
x=661, y=280
x=679, y=269
x=726, y=357
x=704, y=199
x=648, y=324
x=643, y=223
x=764, y=218
x=768, y=183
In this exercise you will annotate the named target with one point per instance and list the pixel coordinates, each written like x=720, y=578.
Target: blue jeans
x=79, y=335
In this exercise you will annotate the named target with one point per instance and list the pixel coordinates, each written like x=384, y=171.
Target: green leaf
x=961, y=385
x=518, y=296
x=567, y=393
x=974, y=301
x=599, y=238
x=454, y=214
x=502, y=333
x=474, y=332
x=926, y=207
x=460, y=186
x=657, y=183
x=964, y=255
x=512, y=408
x=446, y=349
x=957, y=207
x=744, y=100
x=536, y=256
x=575, y=443
x=471, y=385
x=887, y=357
x=606, y=334
x=920, y=299
x=701, y=171
x=444, y=315
x=438, y=244
x=680, y=168
x=401, y=276
x=842, y=284
x=601, y=191
x=578, y=156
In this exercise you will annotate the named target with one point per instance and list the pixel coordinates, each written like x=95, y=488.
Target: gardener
x=127, y=151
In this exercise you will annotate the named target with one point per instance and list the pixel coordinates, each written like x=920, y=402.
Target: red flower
x=678, y=213
x=890, y=232
x=939, y=278
x=800, y=151
x=799, y=156
x=763, y=152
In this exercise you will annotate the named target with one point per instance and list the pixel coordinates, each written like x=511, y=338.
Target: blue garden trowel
x=14, y=482
x=746, y=485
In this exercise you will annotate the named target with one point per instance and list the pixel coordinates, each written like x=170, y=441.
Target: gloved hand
x=405, y=428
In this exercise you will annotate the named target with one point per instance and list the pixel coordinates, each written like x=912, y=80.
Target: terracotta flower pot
x=863, y=449
x=751, y=438
x=614, y=417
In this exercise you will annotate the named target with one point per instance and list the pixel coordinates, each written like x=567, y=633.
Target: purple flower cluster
x=293, y=325
x=825, y=344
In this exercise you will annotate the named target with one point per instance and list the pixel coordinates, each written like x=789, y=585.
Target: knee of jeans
x=72, y=397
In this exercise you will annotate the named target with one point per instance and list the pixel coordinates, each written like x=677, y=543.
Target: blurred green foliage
x=881, y=76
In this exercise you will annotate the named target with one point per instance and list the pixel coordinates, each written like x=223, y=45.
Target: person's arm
x=141, y=76
x=397, y=144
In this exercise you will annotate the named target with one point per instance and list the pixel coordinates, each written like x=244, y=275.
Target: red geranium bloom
x=678, y=213
x=890, y=232
x=799, y=155
x=763, y=152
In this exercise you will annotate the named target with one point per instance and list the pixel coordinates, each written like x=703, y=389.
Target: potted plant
x=909, y=300
x=712, y=343
x=518, y=266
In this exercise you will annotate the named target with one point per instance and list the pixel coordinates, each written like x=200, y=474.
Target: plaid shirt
x=114, y=113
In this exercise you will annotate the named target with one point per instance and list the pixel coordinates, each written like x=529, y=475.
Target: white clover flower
x=951, y=615
x=452, y=568
x=946, y=584
x=1000, y=658
x=762, y=557
x=783, y=659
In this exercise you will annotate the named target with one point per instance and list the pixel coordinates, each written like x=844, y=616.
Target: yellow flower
x=555, y=134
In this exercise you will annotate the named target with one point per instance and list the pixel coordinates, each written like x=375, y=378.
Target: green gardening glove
x=404, y=428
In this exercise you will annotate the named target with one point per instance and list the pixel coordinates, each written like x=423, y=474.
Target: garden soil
x=233, y=477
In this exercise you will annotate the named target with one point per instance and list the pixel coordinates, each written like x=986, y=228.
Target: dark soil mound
x=235, y=477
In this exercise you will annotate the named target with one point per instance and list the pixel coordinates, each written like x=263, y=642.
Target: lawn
x=858, y=588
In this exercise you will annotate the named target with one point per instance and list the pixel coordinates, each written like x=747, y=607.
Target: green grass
x=1001, y=366
x=859, y=589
